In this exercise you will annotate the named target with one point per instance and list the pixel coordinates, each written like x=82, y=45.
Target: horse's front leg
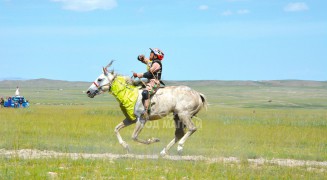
x=138, y=128
x=120, y=126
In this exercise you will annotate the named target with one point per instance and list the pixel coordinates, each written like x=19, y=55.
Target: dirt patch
x=38, y=154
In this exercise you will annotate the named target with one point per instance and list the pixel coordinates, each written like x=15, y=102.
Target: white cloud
x=243, y=11
x=238, y=12
x=297, y=6
x=227, y=13
x=203, y=7
x=87, y=5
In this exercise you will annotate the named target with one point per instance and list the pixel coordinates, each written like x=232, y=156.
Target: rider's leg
x=146, y=102
x=149, y=90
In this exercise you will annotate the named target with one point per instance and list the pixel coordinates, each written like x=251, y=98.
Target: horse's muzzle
x=90, y=94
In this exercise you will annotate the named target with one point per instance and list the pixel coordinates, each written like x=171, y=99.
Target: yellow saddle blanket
x=126, y=94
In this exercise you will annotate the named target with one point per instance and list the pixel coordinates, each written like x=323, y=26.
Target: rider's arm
x=155, y=67
x=139, y=75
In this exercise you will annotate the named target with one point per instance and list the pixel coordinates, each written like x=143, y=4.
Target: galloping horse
x=182, y=101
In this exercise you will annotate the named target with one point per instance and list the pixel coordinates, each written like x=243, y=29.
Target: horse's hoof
x=163, y=152
x=153, y=140
x=126, y=147
x=128, y=150
x=180, y=150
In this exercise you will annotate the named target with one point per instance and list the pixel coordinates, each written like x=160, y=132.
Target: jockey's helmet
x=158, y=52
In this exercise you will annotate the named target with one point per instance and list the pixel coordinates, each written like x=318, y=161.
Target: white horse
x=182, y=101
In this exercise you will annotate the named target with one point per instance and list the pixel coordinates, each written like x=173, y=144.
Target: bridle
x=97, y=85
x=100, y=87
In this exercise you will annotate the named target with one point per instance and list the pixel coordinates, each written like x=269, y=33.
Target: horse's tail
x=204, y=101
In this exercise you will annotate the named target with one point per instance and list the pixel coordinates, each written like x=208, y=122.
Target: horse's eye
x=100, y=79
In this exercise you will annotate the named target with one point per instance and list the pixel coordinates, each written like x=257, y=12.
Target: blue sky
x=202, y=39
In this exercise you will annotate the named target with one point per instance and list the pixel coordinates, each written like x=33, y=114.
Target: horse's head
x=102, y=83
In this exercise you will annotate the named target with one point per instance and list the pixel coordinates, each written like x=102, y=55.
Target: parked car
x=16, y=101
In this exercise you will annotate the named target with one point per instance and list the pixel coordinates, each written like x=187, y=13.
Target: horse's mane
x=132, y=81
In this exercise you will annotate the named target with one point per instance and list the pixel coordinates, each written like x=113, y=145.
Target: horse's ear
x=105, y=71
x=109, y=64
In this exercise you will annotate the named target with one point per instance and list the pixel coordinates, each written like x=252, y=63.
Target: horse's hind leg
x=191, y=129
x=179, y=133
x=138, y=128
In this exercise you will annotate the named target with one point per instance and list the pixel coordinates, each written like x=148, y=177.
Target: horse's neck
x=119, y=86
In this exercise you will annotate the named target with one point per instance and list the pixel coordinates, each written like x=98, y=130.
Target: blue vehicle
x=16, y=101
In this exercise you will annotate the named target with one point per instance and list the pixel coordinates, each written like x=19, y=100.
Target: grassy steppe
x=243, y=120
x=148, y=169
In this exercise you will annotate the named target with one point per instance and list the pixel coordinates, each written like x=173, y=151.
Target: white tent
x=17, y=91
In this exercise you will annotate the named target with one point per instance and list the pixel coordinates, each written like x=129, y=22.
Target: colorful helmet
x=158, y=52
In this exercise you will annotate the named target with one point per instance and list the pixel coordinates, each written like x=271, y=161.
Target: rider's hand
x=135, y=75
x=140, y=57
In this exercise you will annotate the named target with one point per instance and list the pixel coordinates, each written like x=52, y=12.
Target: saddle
x=141, y=84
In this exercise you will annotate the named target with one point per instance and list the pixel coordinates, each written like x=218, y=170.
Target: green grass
x=147, y=169
x=298, y=134
x=242, y=121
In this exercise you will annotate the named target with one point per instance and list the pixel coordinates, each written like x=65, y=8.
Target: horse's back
x=178, y=99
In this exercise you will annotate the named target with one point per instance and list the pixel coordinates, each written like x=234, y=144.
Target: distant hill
x=57, y=84
x=286, y=83
x=42, y=83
